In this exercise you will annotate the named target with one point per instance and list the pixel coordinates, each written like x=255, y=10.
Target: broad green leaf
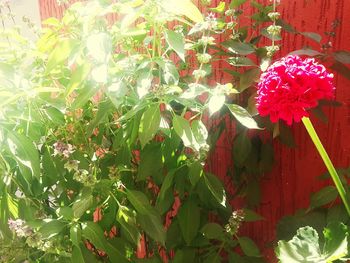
x=304, y=246
x=216, y=188
x=167, y=183
x=342, y=56
x=176, y=42
x=60, y=53
x=307, y=52
x=183, y=8
x=78, y=77
x=55, y=116
x=189, y=220
x=195, y=172
x=200, y=132
x=336, y=241
x=220, y=8
x=325, y=196
x=240, y=62
x=104, y=108
x=84, y=96
x=75, y=234
x=237, y=3
x=238, y=48
x=151, y=163
x=51, y=228
x=94, y=233
x=127, y=219
x=249, y=247
x=241, y=148
x=26, y=155
x=140, y=201
x=66, y=212
x=144, y=83
x=183, y=129
x=213, y=231
x=251, y=216
x=153, y=226
x=149, y=124
x=77, y=255
x=243, y=116
x=81, y=205
x=314, y=36
x=248, y=78
x=215, y=103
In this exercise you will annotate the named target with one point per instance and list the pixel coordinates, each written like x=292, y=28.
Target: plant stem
x=316, y=140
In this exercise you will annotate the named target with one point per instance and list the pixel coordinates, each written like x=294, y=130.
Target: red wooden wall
x=288, y=187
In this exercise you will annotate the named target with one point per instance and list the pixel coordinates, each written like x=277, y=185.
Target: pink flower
x=291, y=86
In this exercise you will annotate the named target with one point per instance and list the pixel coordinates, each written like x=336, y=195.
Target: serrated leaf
x=176, y=42
x=243, y=116
x=324, y=196
x=149, y=124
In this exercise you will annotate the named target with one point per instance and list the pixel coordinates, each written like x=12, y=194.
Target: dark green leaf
x=248, y=246
x=240, y=62
x=81, y=205
x=189, y=220
x=149, y=124
x=216, y=188
x=314, y=36
x=127, y=220
x=238, y=48
x=307, y=52
x=324, y=196
x=251, y=216
x=237, y=3
x=241, y=148
x=195, y=172
x=243, y=116
x=77, y=255
x=51, y=228
x=342, y=56
x=248, y=78
x=213, y=231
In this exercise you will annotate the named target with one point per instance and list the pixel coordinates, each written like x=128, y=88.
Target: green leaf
x=248, y=78
x=75, y=234
x=66, y=212
x=240, y=62
x=84, y=96
x=140, y=201
x=127, y=219
x=151, y=163
x=99, y=46
x=314, y=36
x=243, y=116
x=176, y=42
x=104, y=109
x=153, y=226
x=189, y=220
x=77, y=255
x=220, y=8
x=336, y=241
x=238, y=48
x=307, y=52
x=251, y=216
x=342, y=56
x=81, y=205
x=51, y=228
x=215, y=103
x=195, y=172
x=248, y=246
x=26, y=155
x=167, y=183
x=237, y=3
x=216, y=188
x=55, y=116
x=324, y=196
x=213, y=231
x=60, y=53
x=149, y=124
x=200, y=132
x=95, y=235
x=183, y=8
x=241, y=148
x=304, y=246
x=78, y=77
x=183, y=129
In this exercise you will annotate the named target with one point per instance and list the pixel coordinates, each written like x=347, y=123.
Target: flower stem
x=340, y=187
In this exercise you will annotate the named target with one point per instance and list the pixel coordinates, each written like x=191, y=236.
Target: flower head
x=291, y=86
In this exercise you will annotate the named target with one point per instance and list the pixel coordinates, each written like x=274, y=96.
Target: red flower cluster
x=291, y=86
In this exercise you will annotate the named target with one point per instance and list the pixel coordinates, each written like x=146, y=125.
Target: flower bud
x=204, y=58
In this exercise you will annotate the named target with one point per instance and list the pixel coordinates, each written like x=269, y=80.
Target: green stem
x=340, y=187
